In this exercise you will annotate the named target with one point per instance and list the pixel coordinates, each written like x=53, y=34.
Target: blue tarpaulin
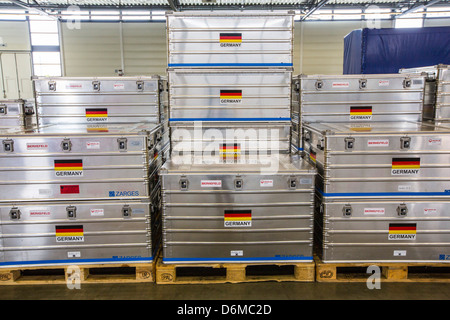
x=374, y=51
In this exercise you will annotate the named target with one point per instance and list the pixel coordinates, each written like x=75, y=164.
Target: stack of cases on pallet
x=383, y=191
x=229, y=102
x=83, y=187
x=382, y=185
x=436, y=102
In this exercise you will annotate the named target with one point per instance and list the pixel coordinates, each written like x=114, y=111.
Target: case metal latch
x=362, y=83
x=292, y=183
x=238, y=183
x=349, y=143
x=28, y=110
x=126, y=211
x=402, y=210
x=405, y=142
x=321, y=144
x=407, y=83
x=8, y=145
x=140, y=85
x=14, y=213
x=347, y=210
x=184, y=184
x=319, y=84
x=96, y=85
x=52, y=86
x=71, y=212
x=122, y=144
x=66, y=145
x=3, y=109
x=307, y=135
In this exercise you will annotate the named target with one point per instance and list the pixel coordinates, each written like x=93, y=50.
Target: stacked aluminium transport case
x=354, y=99
x=83, y=186
x=383, y=175
x=231, y=192
x=437, y=92
x=17, y=114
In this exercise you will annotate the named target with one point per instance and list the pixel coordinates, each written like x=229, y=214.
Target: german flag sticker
x=402, y=231
x=361, y=113
x=227, y=148
x=405, y=166
x=230, y=39
x=69, y=233
x=68, y=168
x=97, y=114
x=312, y=156
x=230, y=96
x=237, y=218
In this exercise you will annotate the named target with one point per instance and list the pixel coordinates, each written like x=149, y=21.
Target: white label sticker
x=361, y=118
x=93, y=144
x=404, y=188
x=378, y=143
x=374, y=211
x=119, y=86
x=37, y=146
x=74, y=254
x=383, y=83
x=97, y=212
x=211, y=183
x=430, y=211
x=39, y=213
x=341, y=84
x=434, y=141
x=45, y=192
x=399, y=253
x=266, y=183
x=236, y=253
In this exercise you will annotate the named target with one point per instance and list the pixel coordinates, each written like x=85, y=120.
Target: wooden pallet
x=73, y=275
x=390, y=272
x=208, y=273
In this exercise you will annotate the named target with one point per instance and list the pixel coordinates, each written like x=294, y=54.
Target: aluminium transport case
x=356, y=98
x=223, y=138
x=237, y=212
x=383, y=230
x=60, y=162
x=379, y=159
x=437, y=91
x=17, y=113
x=78, y=232
x=225, y=95
x=230, y=39
x=96, y=100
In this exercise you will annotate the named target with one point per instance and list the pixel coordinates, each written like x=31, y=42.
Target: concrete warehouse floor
x=239, y=291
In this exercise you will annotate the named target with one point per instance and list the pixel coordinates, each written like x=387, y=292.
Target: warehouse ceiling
x=302, y=6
